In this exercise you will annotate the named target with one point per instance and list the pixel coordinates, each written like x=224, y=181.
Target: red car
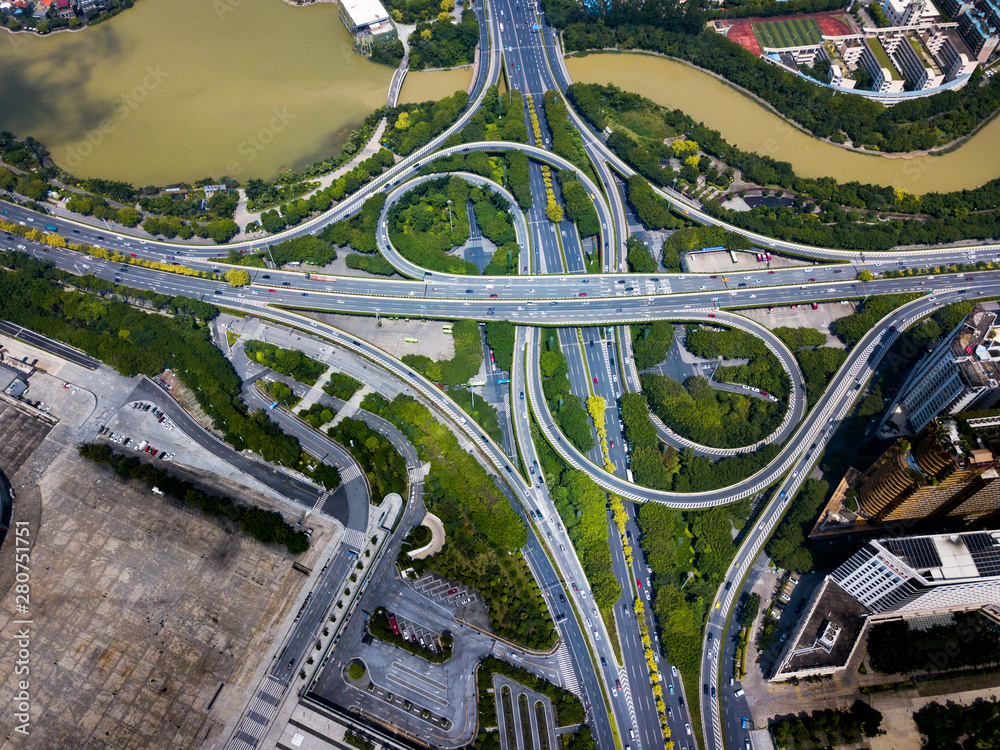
x=812, y=279
x=595, y=381
x=492, y=296
x=711, y=315
x=582, y=294
x=713, y=277
x=133, y=255
x=612, y=443
x=638, y=583
x=770, y=271
x=452, y=591
x=270, y=290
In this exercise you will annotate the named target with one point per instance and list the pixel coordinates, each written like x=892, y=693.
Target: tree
x=554, y=211
x=237, y=278
x=640, y=260
x=865, y=275
x=128, y=216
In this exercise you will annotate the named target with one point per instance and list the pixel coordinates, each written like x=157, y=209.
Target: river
x=174, y=90
x=752, y=127
x=431, y=85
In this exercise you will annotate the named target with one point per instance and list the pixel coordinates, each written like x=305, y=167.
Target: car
x=744, y=723
x=582, y=294
x=271, y=290
x=266, y=276
x=522, y=395
x=574, y=587
x=770, y=272
x=746, y=743
x=713, y=277
x=493, y=296
x=718, y=604
x=673, y=670
x=614, y=689
x=133, y=255
x=604, y=662
x=795, y=474
x=670, y=687
x=595, y=380
x=618, y=684
x=452, y=591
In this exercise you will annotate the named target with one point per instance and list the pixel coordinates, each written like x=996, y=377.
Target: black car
x=266, y=276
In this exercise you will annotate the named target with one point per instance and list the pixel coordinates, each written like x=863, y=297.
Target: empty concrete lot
x=391, y=337
x=141, y=610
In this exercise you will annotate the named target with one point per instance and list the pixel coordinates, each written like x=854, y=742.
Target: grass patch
x=485, y=415
x=342, y=386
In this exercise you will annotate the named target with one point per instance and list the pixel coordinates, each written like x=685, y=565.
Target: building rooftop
x=882, y=57
x=364, y=12
x=976, y=348
x=949, y=557
x=826, y=639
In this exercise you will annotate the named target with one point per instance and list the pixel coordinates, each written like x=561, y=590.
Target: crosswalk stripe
x=567, y=671
x=354, y=538
x=322, y=499
x=349, y=473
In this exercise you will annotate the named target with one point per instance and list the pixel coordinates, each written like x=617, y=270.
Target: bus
x=447, y=328
x=411, y=340
x=503, y=381
x=392, y=622
x=476, y=382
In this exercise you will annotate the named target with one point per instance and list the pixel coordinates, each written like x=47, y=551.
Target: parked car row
x=157, y=412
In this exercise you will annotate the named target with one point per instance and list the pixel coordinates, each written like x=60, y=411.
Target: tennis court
x=788, y=32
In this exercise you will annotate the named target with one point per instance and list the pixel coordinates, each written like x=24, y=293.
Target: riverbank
x=745, y=121
x=847, y=146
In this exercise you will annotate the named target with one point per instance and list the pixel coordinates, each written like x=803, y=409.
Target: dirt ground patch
x=140, y=610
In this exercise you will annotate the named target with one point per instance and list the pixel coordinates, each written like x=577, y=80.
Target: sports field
x=788, y=32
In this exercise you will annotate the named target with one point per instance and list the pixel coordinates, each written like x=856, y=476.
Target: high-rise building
x=887, y=579
x=959, y=374
x=932, y=478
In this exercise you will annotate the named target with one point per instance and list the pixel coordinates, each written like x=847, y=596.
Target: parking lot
x=437, y=588
x=404, y=685
x=143, y=443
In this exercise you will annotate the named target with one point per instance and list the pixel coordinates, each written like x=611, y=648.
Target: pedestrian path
x=316, y=391
x=352, y=407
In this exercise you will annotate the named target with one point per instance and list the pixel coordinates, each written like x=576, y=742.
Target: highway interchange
x=554, y=291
